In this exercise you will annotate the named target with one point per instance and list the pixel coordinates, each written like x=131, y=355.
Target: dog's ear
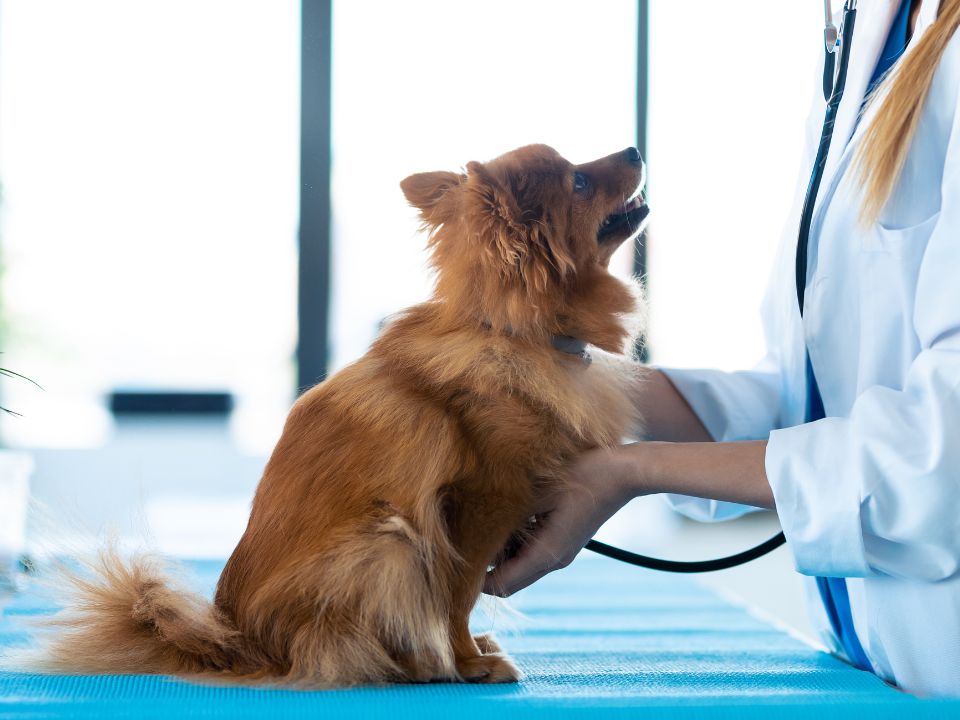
x=433, y=194
x=517, y=215
x=495, y=199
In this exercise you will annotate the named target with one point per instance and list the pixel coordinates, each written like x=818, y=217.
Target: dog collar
x=566, y=344
x=571, y=346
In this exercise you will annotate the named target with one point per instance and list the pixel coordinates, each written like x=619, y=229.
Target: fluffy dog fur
x=397, y=481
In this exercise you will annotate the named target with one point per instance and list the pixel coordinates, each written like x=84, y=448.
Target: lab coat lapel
x=927, y=14
x=870, y=33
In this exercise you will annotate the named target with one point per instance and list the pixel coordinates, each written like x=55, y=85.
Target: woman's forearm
x=728, y=471
x=666, y=414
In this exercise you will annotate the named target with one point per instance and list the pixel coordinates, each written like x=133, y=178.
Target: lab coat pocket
x=912, y=239
x=890, y=260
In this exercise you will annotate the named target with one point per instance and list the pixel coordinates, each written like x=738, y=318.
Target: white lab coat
x=872, y=492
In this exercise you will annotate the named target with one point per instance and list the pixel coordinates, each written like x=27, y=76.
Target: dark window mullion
x=643, y=77
x=313, y=294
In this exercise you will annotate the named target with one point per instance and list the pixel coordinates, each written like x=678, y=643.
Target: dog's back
x=341, y=572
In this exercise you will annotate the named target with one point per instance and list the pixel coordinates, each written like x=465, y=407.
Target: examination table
x=598, y=639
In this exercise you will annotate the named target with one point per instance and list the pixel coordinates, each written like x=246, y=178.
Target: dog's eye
x=580, y=182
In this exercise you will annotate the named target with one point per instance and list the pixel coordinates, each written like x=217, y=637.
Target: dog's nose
x=633, y=155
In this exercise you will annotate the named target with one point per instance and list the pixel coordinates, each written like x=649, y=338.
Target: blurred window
x=149, y=160
x=149, y=169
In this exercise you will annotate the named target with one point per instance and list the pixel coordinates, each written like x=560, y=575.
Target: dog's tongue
x=630, y=205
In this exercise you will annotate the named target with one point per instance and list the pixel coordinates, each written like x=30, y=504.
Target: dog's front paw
x=486, y=643
x=487, y=669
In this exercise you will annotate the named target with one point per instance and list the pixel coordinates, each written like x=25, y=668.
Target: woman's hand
x=597, y=484
x=600, y=482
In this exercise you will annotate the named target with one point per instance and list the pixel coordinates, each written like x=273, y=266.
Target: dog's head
x=522, y=243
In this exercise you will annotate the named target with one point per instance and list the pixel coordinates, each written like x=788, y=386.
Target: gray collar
x=564, y=343
x=571, y=346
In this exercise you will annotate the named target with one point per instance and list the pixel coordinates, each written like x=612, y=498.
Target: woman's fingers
x=547, y=550
x=592, y=491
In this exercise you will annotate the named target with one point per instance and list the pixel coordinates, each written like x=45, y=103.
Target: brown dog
x=397, y=481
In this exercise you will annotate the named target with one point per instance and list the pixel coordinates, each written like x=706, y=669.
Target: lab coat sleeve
x=878, y=492
x=732, y=406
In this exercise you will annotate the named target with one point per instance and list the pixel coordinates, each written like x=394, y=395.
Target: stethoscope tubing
x=686, y=566
x=823, y=149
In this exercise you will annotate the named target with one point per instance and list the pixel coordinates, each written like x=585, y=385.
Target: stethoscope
x=836, y=45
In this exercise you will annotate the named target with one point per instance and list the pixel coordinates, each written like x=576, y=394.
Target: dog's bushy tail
x=129, y=616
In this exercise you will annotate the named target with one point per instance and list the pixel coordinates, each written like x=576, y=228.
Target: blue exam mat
x=598, y=639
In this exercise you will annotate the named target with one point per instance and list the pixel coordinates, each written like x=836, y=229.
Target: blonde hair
x=901, y=96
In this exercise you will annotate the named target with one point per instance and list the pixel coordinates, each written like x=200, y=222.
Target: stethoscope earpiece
x=830, y=32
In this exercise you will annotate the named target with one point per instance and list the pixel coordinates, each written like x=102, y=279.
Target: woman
x=850, y=428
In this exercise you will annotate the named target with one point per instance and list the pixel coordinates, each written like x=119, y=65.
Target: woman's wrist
x=637, y=467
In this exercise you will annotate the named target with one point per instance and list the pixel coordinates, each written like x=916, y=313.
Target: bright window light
x=727, y=107
x=149, y=160
x=433, y=84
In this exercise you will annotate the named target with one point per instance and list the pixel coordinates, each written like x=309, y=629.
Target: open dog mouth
x=628, y=216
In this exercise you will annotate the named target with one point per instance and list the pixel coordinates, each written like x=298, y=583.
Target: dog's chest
x=544, y=420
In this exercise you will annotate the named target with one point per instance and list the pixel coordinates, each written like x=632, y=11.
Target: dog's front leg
x=482, y=525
